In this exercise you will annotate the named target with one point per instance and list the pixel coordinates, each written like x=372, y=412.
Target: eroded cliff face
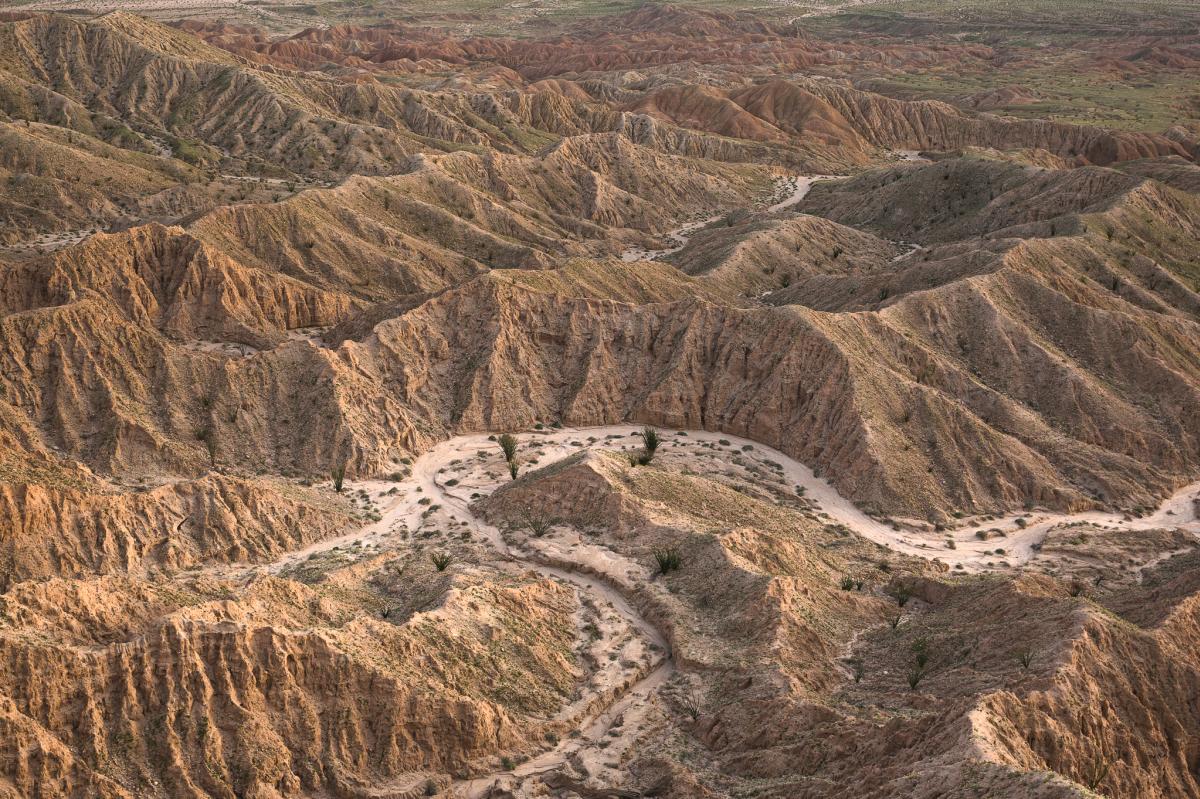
x=918, y=407
x=61, y=532
x=178, y=688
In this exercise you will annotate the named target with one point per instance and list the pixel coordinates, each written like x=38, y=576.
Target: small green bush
x=668, y=560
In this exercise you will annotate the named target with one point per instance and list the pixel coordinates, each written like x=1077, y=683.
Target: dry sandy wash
x=855, y=428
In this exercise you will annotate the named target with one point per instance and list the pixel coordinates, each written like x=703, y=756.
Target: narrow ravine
x=790, y=191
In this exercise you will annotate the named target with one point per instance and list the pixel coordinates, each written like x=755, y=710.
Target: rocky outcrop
x=168, y=280
x=60, y=532
x=174, y=690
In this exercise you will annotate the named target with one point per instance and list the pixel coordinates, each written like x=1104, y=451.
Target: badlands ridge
x=922, y=516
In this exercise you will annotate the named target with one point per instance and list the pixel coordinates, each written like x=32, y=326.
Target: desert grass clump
x=441, y=560
x=914, y=678
x=668, y=560
x=513, y=469
x=1026, y=657
x=339, y=477
x=847, y=583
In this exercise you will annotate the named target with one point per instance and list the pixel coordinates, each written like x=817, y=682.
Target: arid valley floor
x=599, y=400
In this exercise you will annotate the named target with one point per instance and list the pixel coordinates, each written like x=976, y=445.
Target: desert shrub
x=538, y=524
x=668, y=560
x=508, y=443
x=1096, y=773
x=441, y=560
x=339, y=478
x=920, y=650
x=650, y=442
x=692, y=703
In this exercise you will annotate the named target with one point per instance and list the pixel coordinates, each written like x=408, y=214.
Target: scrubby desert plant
x=668, y=560
x=513, y=469
x=538, y=524
x=339, y=477
x=692, y=703
x=1096, y=773
x=920, y=649
x=441, y=560
x=508, y=443
x=914, y=678
x=1026, y=657
x=650, y=441
x=847, y=583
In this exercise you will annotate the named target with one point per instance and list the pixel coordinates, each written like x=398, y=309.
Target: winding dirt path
x=1022, y=530
x=678, y=237
x=799, y=188
x=794, y=189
